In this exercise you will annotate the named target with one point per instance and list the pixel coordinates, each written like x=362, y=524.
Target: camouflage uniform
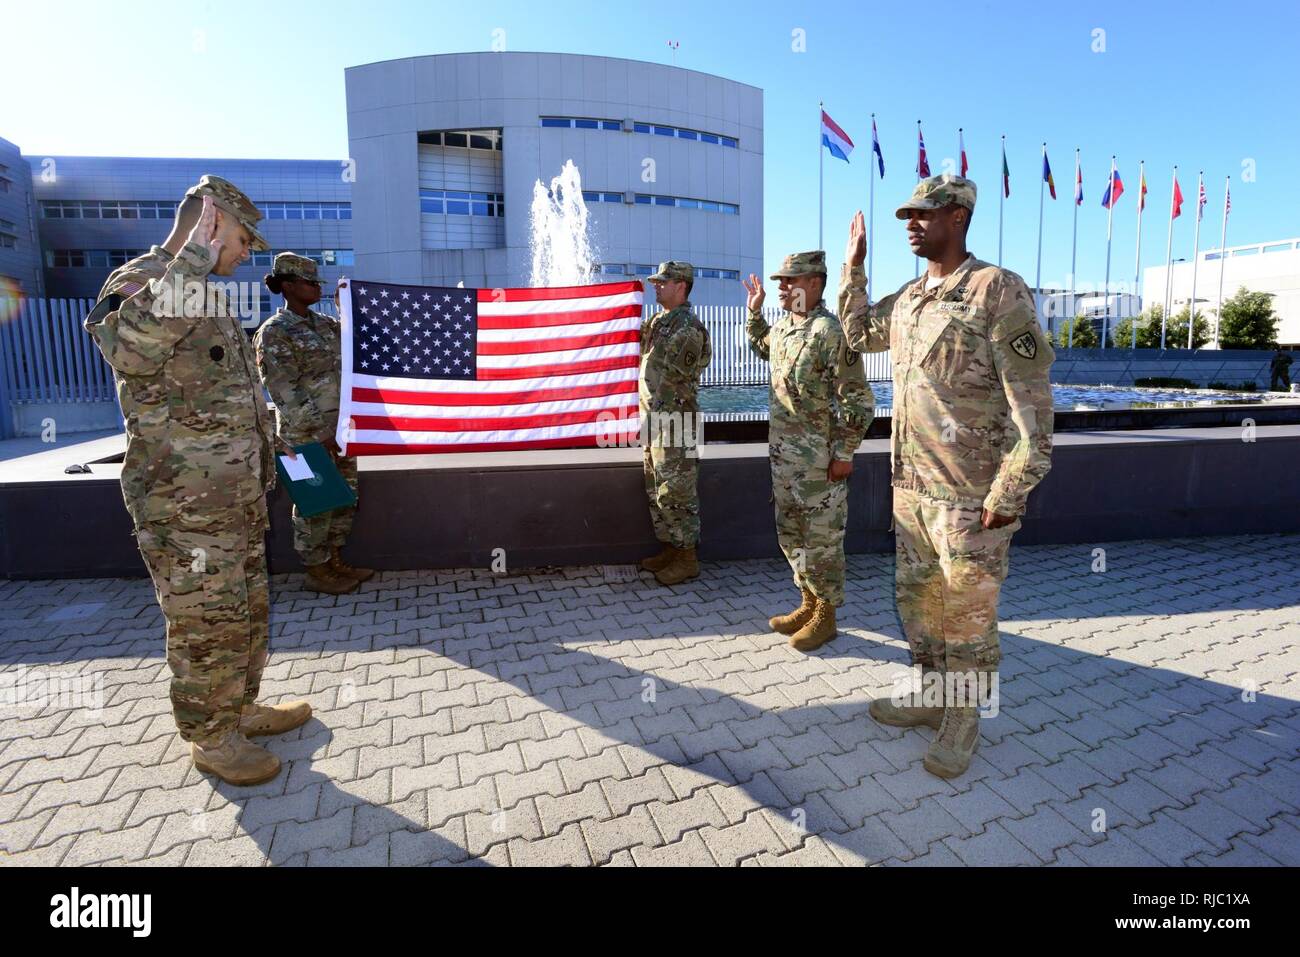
x=1279, y=372
x=819, y=410
x=196, y=472
x=972, y=429
x=300, y=360
x=675, y=351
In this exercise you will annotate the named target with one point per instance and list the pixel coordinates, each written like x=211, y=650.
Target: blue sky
x=1190, y=84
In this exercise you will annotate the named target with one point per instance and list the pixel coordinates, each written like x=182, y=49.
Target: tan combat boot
x=682, y=567
x=904, y=716
x=337, y=563
x=258, y=719
x=952, y=748
x=818, y=630
x=659, y=562
x=323, y=578
x=789, y=624
x=235, y=760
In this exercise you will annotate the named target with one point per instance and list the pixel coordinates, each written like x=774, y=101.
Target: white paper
x=296, y=468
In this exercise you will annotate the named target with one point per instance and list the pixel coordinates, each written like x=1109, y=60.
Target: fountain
x=562, y=250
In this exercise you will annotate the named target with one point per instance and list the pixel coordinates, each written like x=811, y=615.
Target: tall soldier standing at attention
x=674, y=353
x=820, y=410
x=299, y=355
x=972, y=435
x=196, y=472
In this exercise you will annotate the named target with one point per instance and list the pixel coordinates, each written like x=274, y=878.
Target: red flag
x=1178, y=201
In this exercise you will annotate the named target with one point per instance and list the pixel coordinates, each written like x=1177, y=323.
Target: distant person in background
x=674, y=353
x=299, y=356
x=199, y=447
x=1280, y=372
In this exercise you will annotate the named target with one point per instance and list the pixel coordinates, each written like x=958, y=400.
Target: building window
x=601, y=196
x=654, y=129
x=451, y=202
x=306, y=210
x=5, y=183
x=581, y=123
x=613, y=269
x=682, y=202
x=701, y=272
x=90, y=258
x=322, y=257
x=7, y=241
x=107, y=209
x=467, y=139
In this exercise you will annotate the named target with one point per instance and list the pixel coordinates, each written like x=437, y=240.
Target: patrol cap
x=232, y=200
x=936, y=192
x=802, y=264
x=672, y=269
x=293, y=266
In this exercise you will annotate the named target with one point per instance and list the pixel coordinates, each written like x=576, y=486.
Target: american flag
x=439, y=369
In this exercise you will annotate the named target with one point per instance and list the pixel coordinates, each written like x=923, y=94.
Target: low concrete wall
x=589, y=507
x=68, y=417
x=1120, y=366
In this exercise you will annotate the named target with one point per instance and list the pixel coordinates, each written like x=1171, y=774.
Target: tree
x=1085, y=334
x=1176, y=333
x=1148, y=329
x=1248, y=321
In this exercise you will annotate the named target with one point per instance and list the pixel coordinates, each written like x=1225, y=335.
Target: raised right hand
x=754, y=286
x=204, y=232
x=855, y=253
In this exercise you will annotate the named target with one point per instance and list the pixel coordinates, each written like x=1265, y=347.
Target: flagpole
x=1137, y=256
x=1074, y=252
x=1169, y=259
x=1002, y=192
x=1223, y=245
x=1196, y=249
x=871, y=206
x=916, y=265
x=821, y=174
x=1038, y=273
x=1110, y=215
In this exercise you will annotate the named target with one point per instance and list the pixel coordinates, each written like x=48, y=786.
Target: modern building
x=1272, y=267
x=1057, y=306
x=448, y=150
x=20, y=250
x=95, y=213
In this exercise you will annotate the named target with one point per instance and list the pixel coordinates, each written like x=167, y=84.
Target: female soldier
x=298, y=355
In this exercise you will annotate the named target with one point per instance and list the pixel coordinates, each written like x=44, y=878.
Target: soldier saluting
x=972, y=435
x=196, y=473
x=819, y=410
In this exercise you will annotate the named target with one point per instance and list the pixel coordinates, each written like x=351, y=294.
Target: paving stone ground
x=1149, y=714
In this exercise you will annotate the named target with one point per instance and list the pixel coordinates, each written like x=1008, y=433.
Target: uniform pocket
x=957, y=343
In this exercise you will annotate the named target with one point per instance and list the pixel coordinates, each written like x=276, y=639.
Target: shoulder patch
x=852, y=358
x=1025, y=344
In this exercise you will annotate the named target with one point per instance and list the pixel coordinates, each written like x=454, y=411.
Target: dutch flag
x=835, y=139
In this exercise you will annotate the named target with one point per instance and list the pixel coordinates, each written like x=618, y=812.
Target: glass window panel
x=687, y=135
x=455, y=139
x=664, y=131
x=586, y=124
x=556, y=121
x=345, y=212
x=480, y=209
x=480, y=142
x=729, y=141
x=53, y=212
x=148, y=212
x=643, y=199
x=611, y=124
x=108, y=212
x=457, y=194
x=311, y=212
x=590, y=196
x=329, y=212
x=457, y=208
x=708, y=138
x=291, y=213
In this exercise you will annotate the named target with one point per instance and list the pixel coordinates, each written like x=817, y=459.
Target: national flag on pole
x=435, y=369
x=1047, y=174
x=1114, y=190
x=922, y=164
x=1176, y=207
x=835, y=139
x=1200, y=203
x=1227, y=202
x=961, y=148
x=1006, y=173
x=1142, y=190
x=1078, y=182
x=875, y=148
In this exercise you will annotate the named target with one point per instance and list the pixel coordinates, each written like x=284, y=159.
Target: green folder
x=325, y=491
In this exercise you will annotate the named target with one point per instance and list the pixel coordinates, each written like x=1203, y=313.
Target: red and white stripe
x=557, y=368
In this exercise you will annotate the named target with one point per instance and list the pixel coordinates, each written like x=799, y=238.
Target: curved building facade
x=447, y=150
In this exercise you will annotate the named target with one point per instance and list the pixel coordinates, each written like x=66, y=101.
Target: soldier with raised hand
x=675, y=351
x=299, y=356
x=971, y=436
x=197, y=468
x=820, y=408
